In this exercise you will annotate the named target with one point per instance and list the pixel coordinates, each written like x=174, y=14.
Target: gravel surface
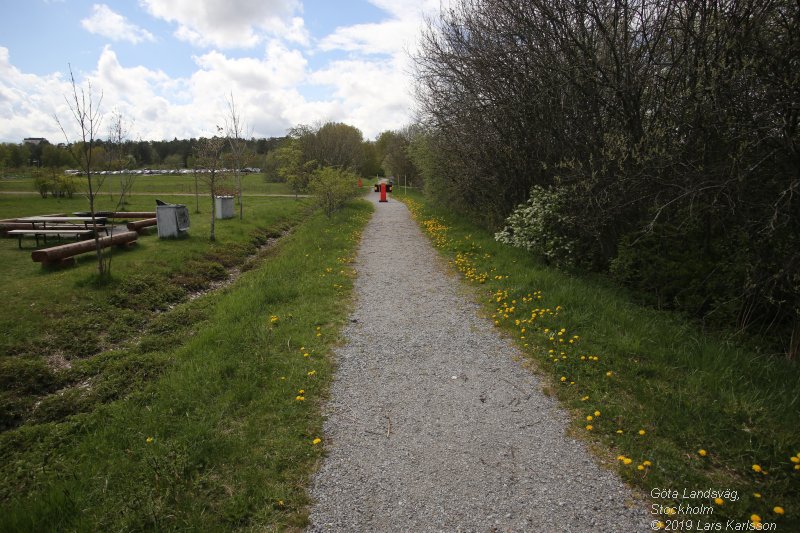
x=432, y=426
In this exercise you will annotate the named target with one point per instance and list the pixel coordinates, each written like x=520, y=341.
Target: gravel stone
x=433, y=426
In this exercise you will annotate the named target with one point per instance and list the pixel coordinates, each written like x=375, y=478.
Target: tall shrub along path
x=432, y=426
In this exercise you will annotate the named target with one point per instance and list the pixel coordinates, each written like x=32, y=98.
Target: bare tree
x=117, y=135
x=234, y=129
x=85, y=108
x=209, y=157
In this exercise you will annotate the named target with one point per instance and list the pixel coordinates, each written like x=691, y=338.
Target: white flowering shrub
x=541, y=226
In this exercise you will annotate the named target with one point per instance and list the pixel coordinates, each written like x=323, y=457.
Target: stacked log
x=66, y=252
x=132, y=214
x=139, y=225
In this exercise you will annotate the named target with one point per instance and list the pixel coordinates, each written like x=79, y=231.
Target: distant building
x=35, y=140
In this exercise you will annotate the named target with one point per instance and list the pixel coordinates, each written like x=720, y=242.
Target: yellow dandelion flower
x=312, y=372
x=597, y=413
x=778, y=509
x=660, y=525
x=702, y=453
x=149, y=440
x=719, y=501
x=756, y=468
x=589, y=427
x=640, y=467
x=670, y=511
x=300, y=398
x=620, y=432
x=609, y=373
x=757, y=495
x=642, y=432
x=627, y=460
x=755, y=518
x=795, y=459
x=647, y=463
x=563, y=379
x=316, y=441
x=589, y=418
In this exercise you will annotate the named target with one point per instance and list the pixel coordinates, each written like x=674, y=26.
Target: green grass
x=211, y=436
x=181, y=184
x=687, y=390
x=52, y=319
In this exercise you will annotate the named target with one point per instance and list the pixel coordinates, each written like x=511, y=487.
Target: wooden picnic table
x=45, y=220
x=36, y=232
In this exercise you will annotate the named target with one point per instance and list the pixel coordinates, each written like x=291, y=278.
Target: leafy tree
x=332, y=144
x=393, y=150
x=292, y=168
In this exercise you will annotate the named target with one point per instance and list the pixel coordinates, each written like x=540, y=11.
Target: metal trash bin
x=172, y=220
x=224, y=205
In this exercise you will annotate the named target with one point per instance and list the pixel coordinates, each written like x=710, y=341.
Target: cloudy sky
x=169, y=65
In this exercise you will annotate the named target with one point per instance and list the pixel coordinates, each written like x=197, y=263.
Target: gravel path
x=432, y=426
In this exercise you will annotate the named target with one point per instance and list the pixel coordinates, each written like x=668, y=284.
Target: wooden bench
x=20, y=233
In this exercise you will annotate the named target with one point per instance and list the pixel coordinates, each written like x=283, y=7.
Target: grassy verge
x=226, y=436
x=55, y=323
x=663, y=404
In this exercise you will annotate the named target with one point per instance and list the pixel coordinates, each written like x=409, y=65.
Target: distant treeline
x=653, y=140
x=174, y=154
x=330, y=144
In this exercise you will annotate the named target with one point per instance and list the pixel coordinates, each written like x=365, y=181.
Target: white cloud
x=369, y=89
x=373, y=87
x=114, y=26
x=394, y=36
x=373, y=96
x=27, y=102
x=231, y=23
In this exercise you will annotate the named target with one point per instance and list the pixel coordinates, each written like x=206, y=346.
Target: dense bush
x=540, y=225
x=665, y=134
x=58, y=186
x=333, y=187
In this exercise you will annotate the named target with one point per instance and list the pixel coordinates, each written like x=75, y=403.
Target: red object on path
x=383, y=193
x=360, y=183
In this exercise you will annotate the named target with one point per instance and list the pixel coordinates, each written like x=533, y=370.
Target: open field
x=647, y=388
x=134, y=405
x=184, y=184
